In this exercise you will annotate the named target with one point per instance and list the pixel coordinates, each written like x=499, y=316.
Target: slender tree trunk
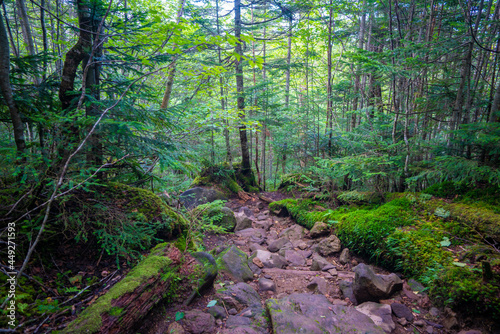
x=171, y=72
x=329, y=97
x=288, y=62
x=12, y=44
x=229, y=157
x=7, y=89
x=246, y=168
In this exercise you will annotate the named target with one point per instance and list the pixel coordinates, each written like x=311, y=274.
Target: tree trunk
x=129, y=300
x=7, y=89
x=288, y=62
x=171, y=72
x=246, y=168
x=329, y=97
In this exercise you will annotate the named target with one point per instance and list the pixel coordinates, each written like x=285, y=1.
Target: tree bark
x=171, y=73
x=329, y=103
x=246, y=168
x=7, y=89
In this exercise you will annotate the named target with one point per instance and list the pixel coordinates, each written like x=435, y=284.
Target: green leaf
x=445, y=243
x=415, y=310
x=459, y=264
x=179, y=316
x=211, y=303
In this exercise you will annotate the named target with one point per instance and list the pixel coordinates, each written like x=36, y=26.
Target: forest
x=379, y=119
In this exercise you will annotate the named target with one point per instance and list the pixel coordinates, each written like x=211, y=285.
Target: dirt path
x=296, y=287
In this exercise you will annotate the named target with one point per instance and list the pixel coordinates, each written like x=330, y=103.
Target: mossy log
x=132, y=298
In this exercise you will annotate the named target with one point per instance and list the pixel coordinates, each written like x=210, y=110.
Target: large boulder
x=368, y=286
x=314, y=314
x=329, y=245
x=234, y=262
x=196, y=196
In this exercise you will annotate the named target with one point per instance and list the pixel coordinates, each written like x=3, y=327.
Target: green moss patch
x=443, y=249
x=90, y=320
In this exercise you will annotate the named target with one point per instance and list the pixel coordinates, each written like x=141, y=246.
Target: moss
x=359, y=198
x=483, y=221
x=200, y=181
x=90, y=320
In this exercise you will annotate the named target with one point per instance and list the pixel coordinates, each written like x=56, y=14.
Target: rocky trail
x=277, y=277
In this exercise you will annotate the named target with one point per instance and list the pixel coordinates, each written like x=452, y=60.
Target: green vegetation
x=406, y=235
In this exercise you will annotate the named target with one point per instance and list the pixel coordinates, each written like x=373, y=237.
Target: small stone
x=434, y=312
x=266, y=285
x=232, y=311
x=450, y=322
x=258, y=262
x=267, y=276
x=345, y=257
x=329, y=245
x=419, y=323
x=319, y=285
x=472, y=331
x=403, y=321
x=218, y=322
x=429, y=329
x=302, y=245
x=218, y=312
x=175, y=328
x=354, y=262
x=333, y=272
x=276, y=245
x=402, y=311
x=319, y=229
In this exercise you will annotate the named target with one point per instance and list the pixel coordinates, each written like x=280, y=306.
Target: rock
x=232, y=311
x=242, y=221
x=295, y=232
x=240, y=330
x=345, y=257
x=403, y=321
x=472, y=331
x=277, y=244
x=228, y=220
x=218, y=312
x=294, y=258
x=329, y=245
x=429, y=330
x=416, y=286
x=246, y=211
x=450, y=322
x=262, y=217
x=268, y=259
x=196, y=196
x=319, y=263
x=402, y=311
x=319, y=229
x=234, y=262
x=379, y=313
x=258, y=262
x=266, y=285
x=198, y=322
x=420, y=323
x=237, y=321
x=240, y=295
x=306, y=253
x=318, y=284
x=253, y=247
x=302, y=245
x=314, y=314
x=368, y=286
x=248, y=233
x=175, y=328
x=434, y=312
x=333, y=272
x=264, y=224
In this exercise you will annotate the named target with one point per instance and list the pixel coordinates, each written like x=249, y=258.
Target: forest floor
x=297, y=279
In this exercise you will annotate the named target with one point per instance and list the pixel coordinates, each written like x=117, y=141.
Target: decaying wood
x=244, y=195
x=265, y=199
x=132, y=298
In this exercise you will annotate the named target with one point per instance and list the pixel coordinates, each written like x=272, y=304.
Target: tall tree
x=7, y=88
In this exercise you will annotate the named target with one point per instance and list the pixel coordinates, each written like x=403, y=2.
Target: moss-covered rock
x=234, y=262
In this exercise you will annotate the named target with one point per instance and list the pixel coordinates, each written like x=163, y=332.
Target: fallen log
x=129, y=300
x=265, y=199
